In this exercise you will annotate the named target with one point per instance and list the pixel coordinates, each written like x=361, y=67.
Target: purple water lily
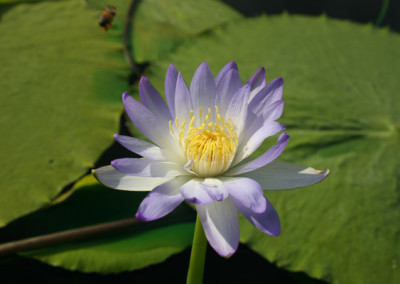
x=201, y=140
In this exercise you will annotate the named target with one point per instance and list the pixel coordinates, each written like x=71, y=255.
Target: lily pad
x=61, y=81
x=342, y=112
x=159, y=26
x=125, y=249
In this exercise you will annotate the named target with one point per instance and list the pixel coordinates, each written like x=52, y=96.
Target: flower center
x=209, y=144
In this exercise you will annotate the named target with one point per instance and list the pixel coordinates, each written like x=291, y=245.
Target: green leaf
x=125, y=249
x=61, y=79
x=342, y=112
x=159, y=26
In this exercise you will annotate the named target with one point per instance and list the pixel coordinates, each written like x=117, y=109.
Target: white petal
x=237, y=110
x=203, y=88
x=194, y=193
x=112, y=178
x=264, y=159
x=183, y=101
x=266, y=96
x=170, y=85
x=221, y=226
x=229, y=84
x=245, y=191
x=140, y=147
x=281, y=175
x=249, y=142
x=147, y=168
x=274, y=111
x=215, y=188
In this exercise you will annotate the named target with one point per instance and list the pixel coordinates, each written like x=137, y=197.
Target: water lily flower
x=202, y=140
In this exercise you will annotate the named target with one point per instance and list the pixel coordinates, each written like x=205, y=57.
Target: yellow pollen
x=211, y=145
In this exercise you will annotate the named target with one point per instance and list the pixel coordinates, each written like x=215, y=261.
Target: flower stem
x=197, y=256
x=62, y=237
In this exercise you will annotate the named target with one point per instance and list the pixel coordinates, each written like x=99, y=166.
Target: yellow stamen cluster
x=211, y=146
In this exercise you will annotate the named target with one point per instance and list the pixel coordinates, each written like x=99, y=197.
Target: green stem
x=197, y=256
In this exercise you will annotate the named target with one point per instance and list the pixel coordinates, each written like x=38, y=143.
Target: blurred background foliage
x=62, y=78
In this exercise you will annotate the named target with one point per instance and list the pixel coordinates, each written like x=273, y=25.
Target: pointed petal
x=247, y=192
x=152, y=99
x=264, y=159
x=266, y=221
x=227, y=87
x=170, y=85
x=147, y=168
x=194, y=193
x=248, y=145
x=112, y=178
x=215, y=189
x=274, y=111
x=237, y=109
x=257, y=82
x=281, y=175
x=266, y=96
x=203, y=89
x=226, y=69
x=183, y=101
x=140, y=147
x=161, y=200
x=221, y=226
x=147, y=123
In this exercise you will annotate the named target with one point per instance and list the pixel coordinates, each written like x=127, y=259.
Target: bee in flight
x=106, y=17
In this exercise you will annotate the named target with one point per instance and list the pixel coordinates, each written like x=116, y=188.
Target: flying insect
x=107, y=16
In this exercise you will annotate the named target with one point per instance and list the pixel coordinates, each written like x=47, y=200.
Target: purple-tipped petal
x=112, y=178
x=215, y=189
x=281, y=175
x=161, y=200
x=266, y=221
x=226, y=69
x=140, y=147
x=266, y=96
x=257, y=82
x=247, y=145
x=221, y=226
x=229, y=84
x=264, y=159
x=203, y=89
x=170, y=85
x=146, y=168
x=147, y=123
x=237, y=109
x=274, y=111
x=183, y=100
x=194, y=193
x=153, y=100
x=247, y=191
